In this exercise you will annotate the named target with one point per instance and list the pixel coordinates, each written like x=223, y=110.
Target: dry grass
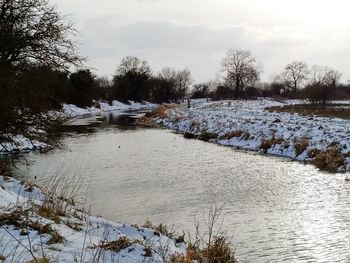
x=328, y=110
x=160, y=229
x=300, y=146
x=19, y=219
x=268, y=143
x=116, y=245
x=207, y=136
x=149, y=117
x=211, y=246
x=232, y=134
x=39, y=260
x=329, y=160
x=312, y=153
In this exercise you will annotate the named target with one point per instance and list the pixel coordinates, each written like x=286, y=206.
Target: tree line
x=37, y=50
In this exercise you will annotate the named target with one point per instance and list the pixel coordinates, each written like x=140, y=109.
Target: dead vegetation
x=329, y=160
x=39, y=260
x=149, y=117
x=300, y=146
x=116, y=245
x=268, y=143
x=327, y=110
x=207, y=136
x=209, y=246
x=236, y=134
x=21, y=220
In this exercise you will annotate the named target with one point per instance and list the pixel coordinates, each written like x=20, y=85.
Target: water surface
x=276, y=210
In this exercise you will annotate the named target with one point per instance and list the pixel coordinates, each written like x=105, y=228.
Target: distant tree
x=103, y=88
x=322, y=86
x=180, y=79
x=131, y=81
x=294, y=76
x=183, y=82
x=223, y=92
x=162, y=90
x=83, y=88
x=241, y=70
x=200, y=91
x=324, y=75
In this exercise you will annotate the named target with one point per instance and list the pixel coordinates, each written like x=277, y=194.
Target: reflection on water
x=276, y=210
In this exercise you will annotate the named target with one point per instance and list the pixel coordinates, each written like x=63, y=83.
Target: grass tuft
x=116, y=245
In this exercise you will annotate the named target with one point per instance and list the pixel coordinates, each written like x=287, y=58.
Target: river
x=275, y=210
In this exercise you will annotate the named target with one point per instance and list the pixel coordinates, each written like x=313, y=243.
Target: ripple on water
x=276, y=210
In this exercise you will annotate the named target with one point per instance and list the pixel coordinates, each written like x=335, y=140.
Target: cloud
x=200, y=47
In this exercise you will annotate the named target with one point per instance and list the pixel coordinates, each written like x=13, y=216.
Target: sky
x=196, y=34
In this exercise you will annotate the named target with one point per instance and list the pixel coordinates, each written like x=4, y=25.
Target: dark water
x=275, y=210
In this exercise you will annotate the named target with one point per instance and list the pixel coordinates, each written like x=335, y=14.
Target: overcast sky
x=195, y=34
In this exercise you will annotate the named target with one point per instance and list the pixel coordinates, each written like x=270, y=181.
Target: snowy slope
x=254, y=124
x=85, y=237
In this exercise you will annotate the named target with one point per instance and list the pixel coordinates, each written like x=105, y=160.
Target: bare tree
x=181, y=80
x=294, y=75
x=131, y=81
x=324, y=75
x=134, y=66
x=33, y=31
x=241, y=70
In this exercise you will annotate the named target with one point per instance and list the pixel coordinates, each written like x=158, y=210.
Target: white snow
x=249, y=116
x=80, y=245
x=20, y=144
x=132, y=106
x=73, y=111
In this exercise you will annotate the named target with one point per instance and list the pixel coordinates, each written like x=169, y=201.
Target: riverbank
x=21, y=144
x=246, y=124
x=39, y=226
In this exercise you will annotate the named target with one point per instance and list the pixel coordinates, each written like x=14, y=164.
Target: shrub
x=329, y=160
x=300, y=146
x=312, y=153
x=268, y=143
x=211, y=247
x=116, y=245
x=207, y=136
x=159, y=229
x=232, y=134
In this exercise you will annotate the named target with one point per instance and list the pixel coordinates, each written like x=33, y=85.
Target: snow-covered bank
x=245, y=124
x=30, y=233
x=73, y=111
x=22, y=144
x=132, y=106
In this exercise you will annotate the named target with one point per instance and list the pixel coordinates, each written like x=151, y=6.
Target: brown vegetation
x=268, y=143
x=327, y=110
x=149, y=118
x=116, y=245
x=329, y=160
x=300, y=146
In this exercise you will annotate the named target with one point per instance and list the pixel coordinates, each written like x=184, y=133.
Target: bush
x=268, y=143
x=329, y=160
x=207, y=136
x=318, y=93
x=300, y=146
